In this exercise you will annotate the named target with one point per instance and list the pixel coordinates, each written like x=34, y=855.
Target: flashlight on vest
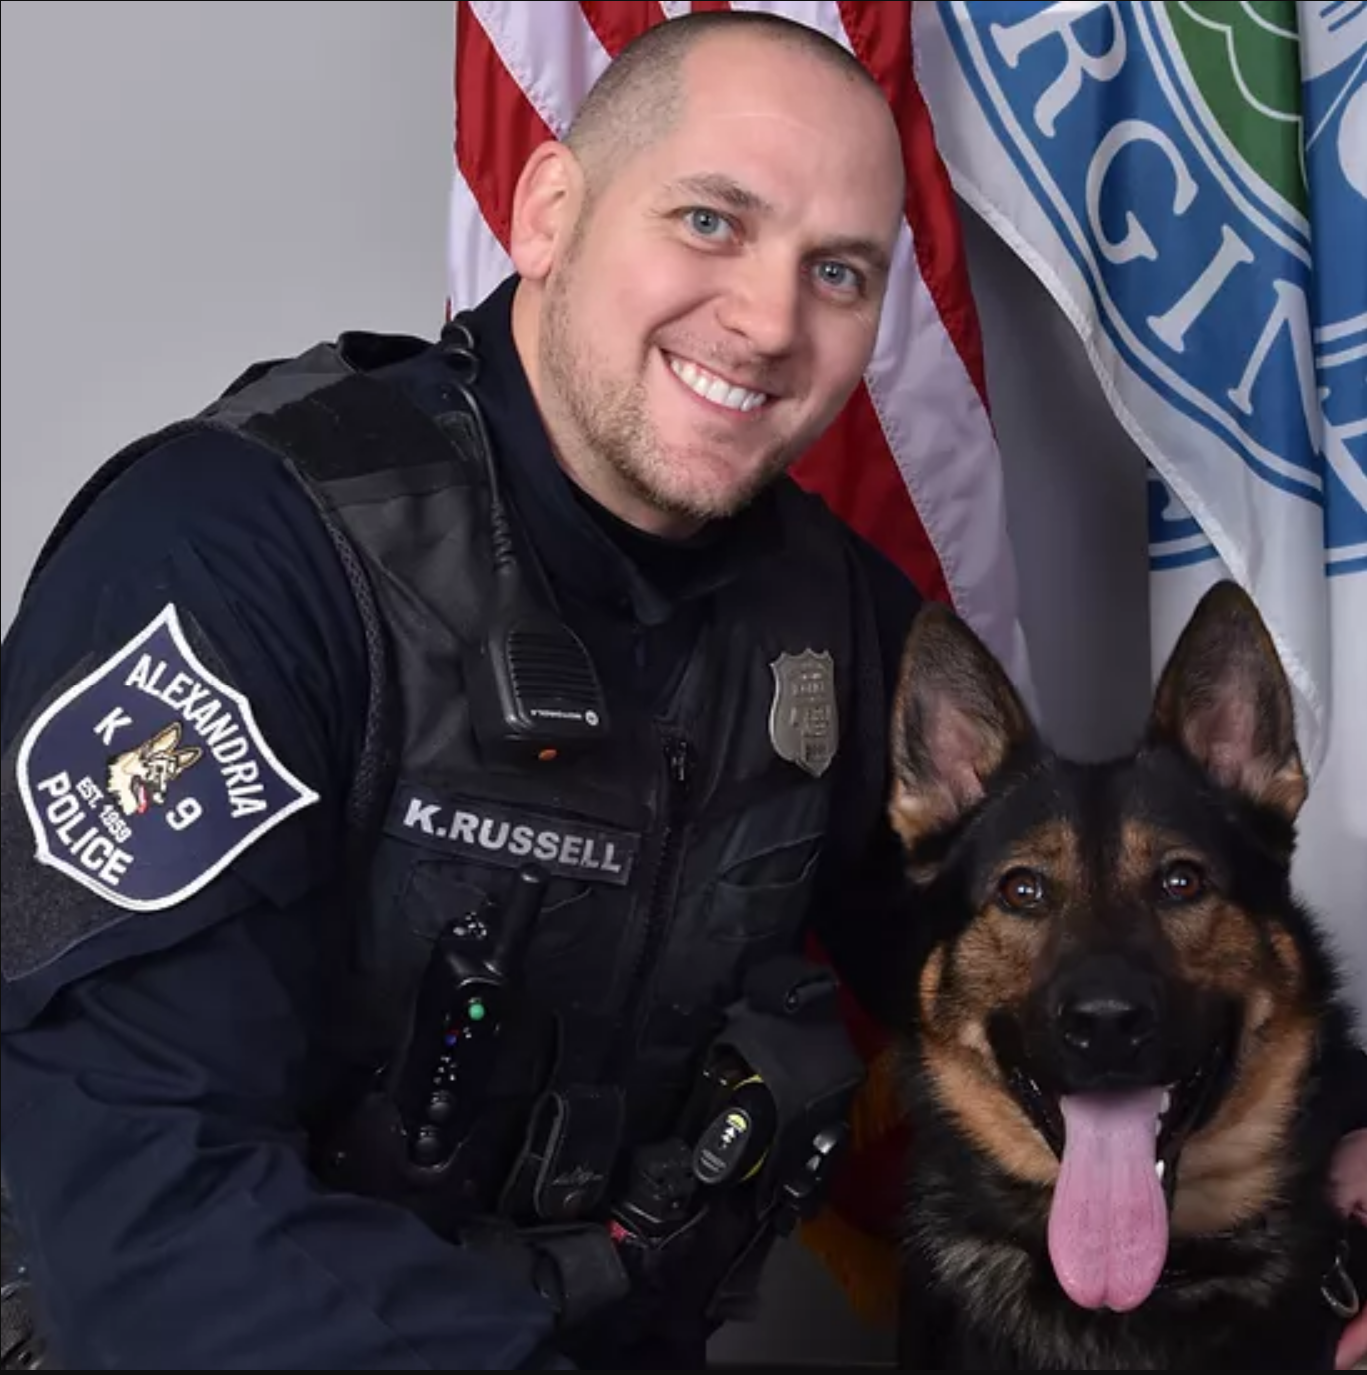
x=730, y=1120
x=462, y=1003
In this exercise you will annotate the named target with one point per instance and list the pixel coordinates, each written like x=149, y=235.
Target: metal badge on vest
x=804, y=721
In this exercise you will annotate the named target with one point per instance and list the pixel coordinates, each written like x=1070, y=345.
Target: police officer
x=423, y=770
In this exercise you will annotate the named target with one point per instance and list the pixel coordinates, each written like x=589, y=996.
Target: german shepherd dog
x=1124, y=1032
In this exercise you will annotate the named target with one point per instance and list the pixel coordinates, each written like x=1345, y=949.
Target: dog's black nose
x=1106, y=1028
x=1106, y=1020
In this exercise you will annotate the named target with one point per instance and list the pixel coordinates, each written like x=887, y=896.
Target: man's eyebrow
x=716, y=186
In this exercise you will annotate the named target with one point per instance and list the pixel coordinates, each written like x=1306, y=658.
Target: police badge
x=804, y=720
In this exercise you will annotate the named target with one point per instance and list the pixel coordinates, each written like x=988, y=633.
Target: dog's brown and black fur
x=1089, y=927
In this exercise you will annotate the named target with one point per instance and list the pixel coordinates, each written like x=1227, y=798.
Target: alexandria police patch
x=146, y=778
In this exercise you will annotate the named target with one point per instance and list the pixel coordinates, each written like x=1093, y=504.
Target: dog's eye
x=1021, y=890
x=1182, y=881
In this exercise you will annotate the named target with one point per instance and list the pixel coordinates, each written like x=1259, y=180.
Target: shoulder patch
x=146, y=778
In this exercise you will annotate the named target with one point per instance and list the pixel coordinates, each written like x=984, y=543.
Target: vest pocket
x=435, y=893
x=763, y=895
x=566, y=950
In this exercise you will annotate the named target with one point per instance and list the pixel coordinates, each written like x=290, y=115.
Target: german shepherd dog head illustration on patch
x=1123, y=1031
x=141, y=776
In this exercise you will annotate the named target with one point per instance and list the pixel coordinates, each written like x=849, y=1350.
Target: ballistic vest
x=677, y=857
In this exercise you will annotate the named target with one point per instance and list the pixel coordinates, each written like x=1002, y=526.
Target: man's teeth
x=1158, y=1170
x=715, y=389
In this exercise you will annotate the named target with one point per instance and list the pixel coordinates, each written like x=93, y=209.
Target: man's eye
x=708, y=224
x=839, y=276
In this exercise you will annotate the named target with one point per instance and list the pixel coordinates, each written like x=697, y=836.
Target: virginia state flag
x=1189, y=181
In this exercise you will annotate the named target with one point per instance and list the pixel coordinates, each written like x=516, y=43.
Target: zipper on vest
x=678, y=754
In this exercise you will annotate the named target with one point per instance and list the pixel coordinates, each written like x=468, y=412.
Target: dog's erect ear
x=955, y=719
x=1223, y=697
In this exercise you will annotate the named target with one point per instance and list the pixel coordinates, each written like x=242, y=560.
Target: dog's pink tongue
x=1108, y=1227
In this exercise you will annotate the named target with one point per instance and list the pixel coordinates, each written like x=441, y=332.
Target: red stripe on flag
x=880, y=35
x=852, y=465
x=853, y=470
x=617, y=22
x=496, y=127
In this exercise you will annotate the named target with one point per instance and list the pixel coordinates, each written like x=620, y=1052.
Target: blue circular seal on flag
x=1191, y=179
x=149, y=775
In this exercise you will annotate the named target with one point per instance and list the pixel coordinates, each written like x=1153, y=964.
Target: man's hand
x=1348, y=1180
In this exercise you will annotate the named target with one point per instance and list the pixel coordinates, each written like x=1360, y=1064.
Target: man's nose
x=764, y=306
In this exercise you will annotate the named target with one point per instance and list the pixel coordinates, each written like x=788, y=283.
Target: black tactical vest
x=678, y=858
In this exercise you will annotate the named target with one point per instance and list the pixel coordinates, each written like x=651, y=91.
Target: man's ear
x=546, y=201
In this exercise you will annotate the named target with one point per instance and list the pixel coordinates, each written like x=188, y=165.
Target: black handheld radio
x=462, y=1004
x=534, y=690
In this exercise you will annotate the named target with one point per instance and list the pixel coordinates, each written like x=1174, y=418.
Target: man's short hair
x=640, y=96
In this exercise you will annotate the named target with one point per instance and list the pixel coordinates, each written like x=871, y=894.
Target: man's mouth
x=718, y=390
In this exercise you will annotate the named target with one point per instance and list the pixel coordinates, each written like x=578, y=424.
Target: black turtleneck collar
x=584, y=547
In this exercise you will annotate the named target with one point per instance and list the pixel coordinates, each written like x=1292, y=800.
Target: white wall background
x=190, y=186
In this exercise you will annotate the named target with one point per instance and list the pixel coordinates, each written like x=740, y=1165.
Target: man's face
x=720, y=297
